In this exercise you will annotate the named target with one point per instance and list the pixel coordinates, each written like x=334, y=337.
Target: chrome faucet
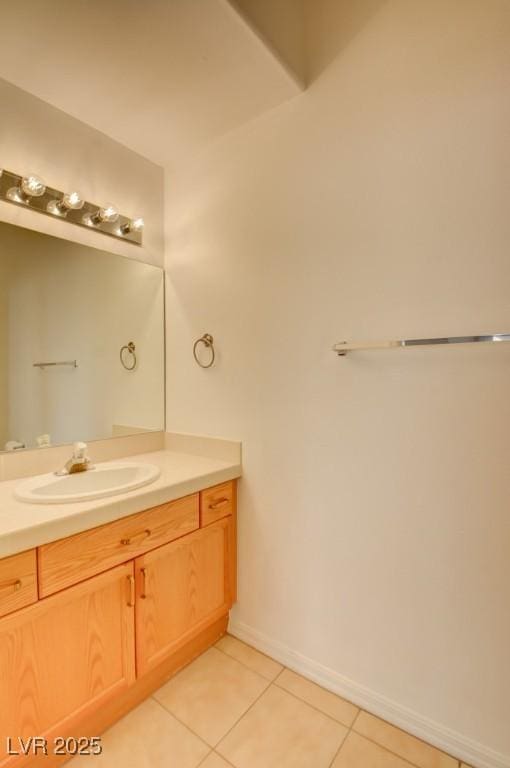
x=79, y=461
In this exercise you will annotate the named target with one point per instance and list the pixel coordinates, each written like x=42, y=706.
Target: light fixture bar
x=51, y=203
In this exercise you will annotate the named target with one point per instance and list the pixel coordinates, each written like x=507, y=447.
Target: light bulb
x=107, y=214
x=71, y=201
x=32, y=186
x=133, y=225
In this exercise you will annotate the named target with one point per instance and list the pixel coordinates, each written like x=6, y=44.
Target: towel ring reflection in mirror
x=208, y=342
x=130, y=365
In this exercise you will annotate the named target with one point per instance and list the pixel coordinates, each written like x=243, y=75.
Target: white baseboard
x=461, y=747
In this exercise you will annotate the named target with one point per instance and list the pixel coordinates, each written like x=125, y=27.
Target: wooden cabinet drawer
x=216, y=503
x=18, y=581
x=79, y=557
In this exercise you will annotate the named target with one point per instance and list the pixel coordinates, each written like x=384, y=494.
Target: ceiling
x=163, y=77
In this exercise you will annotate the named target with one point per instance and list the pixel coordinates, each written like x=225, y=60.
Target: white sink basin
x=97, y=483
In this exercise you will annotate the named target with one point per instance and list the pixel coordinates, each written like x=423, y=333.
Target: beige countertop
x=24, y=525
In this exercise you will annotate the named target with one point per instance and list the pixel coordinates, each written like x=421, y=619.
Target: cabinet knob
x=15, y=584
x=219, y=503
x=143, y=590
x=136, y=537
x=131, y=600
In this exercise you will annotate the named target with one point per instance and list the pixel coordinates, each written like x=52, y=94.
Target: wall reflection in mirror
x=76, y=306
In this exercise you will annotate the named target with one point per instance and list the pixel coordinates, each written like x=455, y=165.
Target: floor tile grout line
x=412, y=736
x=297, y=699
x=168, y=711
x=295, y=696
x=213, y=747
x=360, y=709
x=185, y=725
x=271, y=680
x=280, y=673
x=406, y=733
x=338, y=722
x=241, y=717
x=304, y=701
x=246, y=645
x=224, y=758
x=212, y=751
x=390, y=751
x=349, y=731
x=269, y=684
x=204, y=758
x=343, y=742
x=250, y=669
x=351, y=727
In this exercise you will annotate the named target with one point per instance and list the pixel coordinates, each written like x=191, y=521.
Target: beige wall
x=281, y=25
x=374, y=525
x=68, y=154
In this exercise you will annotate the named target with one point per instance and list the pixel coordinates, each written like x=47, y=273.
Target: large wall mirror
x=66, y=311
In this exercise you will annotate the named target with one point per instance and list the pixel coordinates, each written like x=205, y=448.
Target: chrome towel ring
x=208, y=342
x=130, y=347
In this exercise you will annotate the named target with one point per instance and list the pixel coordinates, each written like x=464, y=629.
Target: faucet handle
x=80, y=451
x=78, y=462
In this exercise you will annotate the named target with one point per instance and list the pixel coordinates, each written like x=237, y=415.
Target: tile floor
x=233, y=707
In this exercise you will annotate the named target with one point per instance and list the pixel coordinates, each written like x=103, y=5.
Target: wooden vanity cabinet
x=66, y=656
x=104, y=633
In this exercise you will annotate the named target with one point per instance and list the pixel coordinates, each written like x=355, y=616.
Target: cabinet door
x=65, y=656
x=181, y=588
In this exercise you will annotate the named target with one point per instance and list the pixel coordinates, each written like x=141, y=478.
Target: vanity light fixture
x=71, y=201
x=133, y=225
x=31, y=192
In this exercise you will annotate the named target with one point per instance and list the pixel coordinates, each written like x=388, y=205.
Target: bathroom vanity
x=93, y=622
x=112, y=580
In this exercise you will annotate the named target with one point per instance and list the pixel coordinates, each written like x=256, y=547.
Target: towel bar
x=72, y=363
x=345, y=346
